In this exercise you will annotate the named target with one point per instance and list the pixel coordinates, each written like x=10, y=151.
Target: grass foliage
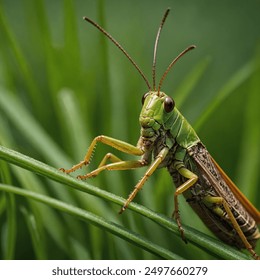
x=62, y=83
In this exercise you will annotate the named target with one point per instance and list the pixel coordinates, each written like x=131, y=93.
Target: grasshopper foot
x=84, y=177
x=67, y=171
x=74, y=167
x=176, y=216
x=122, y=210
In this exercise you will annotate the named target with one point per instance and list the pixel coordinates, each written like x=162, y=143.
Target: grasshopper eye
x=168, y=104
x=144, y=96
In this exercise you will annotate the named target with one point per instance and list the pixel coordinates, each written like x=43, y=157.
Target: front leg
x=118, y=165
x=157, y=161
x=112, y=142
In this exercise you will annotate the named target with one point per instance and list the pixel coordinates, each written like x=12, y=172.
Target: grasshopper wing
x=239, y=195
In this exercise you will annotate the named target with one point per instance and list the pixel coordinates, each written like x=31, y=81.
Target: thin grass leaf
x=75, y=125
x=20, y=58
x=48, y=52
x=53, y=224
x=207, y=243
x=248, y=169
x=11, y=230
x=190, y=81
x=234, y=82
x=71, y=46
x=8, y=205
x=95, y=220
x=36, y=236
x=34, y=133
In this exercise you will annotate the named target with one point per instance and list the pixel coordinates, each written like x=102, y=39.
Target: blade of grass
x=199, y=239
x=248, y=169
x=234, y=82
x=35, y=135
x=190, y=81
x=35, y=232
x=8, y=206
x=30, y=129
x=42, y=23
x=76, y=127
x=11, y=227
x=54, y=225
x=20, y=58
x=95, y=220
x=72, y=45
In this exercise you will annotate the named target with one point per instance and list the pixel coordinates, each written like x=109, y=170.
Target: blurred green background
x=62, y=83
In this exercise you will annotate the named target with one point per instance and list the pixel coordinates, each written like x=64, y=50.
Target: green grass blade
x=36, y=236
x=189, y=83
x=76, y=128
x=234, y=82
x=95, y=220
x=18, y=53
x=248, y=169
x=192, y=235
x=46, y=218
x=8, y=206
x=35, y=134
x=11, y=230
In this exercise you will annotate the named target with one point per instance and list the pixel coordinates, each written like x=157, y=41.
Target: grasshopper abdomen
x=211, y=184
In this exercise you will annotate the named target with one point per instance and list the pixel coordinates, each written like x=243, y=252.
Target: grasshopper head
x=157, y=109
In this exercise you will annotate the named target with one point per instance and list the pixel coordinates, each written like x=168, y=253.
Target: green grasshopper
x=168, y=140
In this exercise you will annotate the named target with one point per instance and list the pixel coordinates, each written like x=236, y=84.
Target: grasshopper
x=168, y=140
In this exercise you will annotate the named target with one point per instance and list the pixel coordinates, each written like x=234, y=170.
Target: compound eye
x=168, y=104
x=144, y=96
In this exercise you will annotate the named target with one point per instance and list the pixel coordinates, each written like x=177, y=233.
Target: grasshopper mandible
x=168, y=140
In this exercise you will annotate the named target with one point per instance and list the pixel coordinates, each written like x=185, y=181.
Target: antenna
x=155, y=46
x=120, y=47
x=172, y=63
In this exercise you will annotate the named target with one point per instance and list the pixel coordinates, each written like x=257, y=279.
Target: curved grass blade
x=248, y=169
x=234, y=82
x=190, y=81
x=95, y=220
x=11, y=229
x=19, y=55
x=199, y=239
x=35, y=233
